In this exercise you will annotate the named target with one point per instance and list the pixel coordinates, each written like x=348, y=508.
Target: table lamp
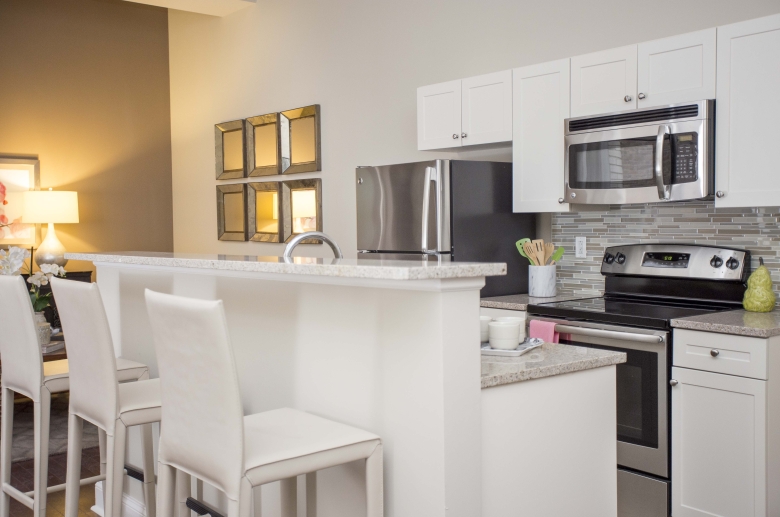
x=50, y=206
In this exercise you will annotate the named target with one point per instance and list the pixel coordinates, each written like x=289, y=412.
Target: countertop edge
x=553, y=370
x=720, y=328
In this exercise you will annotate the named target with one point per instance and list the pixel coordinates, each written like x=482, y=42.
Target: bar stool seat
x=285, y=443
x=56, y=374
x=139, y=402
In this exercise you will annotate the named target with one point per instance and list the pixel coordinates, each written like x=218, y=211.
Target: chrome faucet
x=312, y=235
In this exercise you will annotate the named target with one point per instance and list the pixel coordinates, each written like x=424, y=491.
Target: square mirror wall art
x=231, y=212
x=299, y=131
x=262, y=145
x=265, y=212
x=302, y=203
x=229, y=149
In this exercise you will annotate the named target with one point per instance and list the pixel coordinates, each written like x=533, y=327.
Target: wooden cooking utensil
x=549, y=249
x=539, y=249
x=530, y=251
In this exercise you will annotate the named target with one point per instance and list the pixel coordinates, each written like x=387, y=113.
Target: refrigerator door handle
x=431, y=174
x=436, y=174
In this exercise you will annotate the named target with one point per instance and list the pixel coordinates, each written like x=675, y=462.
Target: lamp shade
x=50, y=206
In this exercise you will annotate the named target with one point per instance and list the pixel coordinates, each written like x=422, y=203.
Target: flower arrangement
x=12, y=260
x=41, y=278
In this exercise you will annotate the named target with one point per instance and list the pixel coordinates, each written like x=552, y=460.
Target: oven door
x=623, y=166
x=642, y=389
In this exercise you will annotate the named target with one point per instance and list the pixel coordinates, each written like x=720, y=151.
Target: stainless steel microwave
x=641, y=156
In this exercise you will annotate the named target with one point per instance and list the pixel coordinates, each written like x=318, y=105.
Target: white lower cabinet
x=719, y=445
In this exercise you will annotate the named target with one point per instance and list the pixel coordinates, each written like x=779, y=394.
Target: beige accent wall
x=362, y=62
x=84, y=85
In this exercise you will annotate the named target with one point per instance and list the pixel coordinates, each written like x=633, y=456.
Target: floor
x=22, y=478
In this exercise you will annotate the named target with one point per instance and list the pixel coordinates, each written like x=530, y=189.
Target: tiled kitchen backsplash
x=755, y=229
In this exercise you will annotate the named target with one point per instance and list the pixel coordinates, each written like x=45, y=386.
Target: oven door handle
x=664, y=191
x=609, y=334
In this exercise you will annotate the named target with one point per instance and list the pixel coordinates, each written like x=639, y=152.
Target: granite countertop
x=548, y=360
x=520, y=302
x=345, y=268
x=738, y=323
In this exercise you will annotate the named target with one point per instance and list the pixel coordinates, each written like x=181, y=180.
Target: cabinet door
x=718, y=445
x=748, y=106
x=438, y=116
x=540, y=105
x=603, y=82
x=677, y=69
x=487, y=109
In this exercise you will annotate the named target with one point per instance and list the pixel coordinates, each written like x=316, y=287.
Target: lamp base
x=51, y=250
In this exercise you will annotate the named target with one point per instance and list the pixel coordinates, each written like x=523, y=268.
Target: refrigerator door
x=404, y=208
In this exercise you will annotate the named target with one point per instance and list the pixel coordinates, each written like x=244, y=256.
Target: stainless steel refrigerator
x=444, y=210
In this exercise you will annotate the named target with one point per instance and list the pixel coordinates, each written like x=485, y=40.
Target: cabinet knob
x=454, y=136
x=573, y=195
x=463, y=135
x=628, y=98
x=673, y=382
x=641, y=96
x=560, y=200
x=720, y=194
x=360, y=181
x=714, y=353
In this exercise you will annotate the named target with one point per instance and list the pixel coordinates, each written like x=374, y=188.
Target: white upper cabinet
x=748, y=110
x=486, y=114
x=604, y=82
x=677, y=69
x=541, y=104
x=438, y=115
x=472, y=111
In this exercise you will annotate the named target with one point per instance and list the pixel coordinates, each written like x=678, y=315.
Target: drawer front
x=720, y=353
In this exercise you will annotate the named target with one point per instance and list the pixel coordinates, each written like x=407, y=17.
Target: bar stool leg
x=73, y=475
x=245, y=499
x=6, y=436
x=166, y=490
x=311, y=494
x=183, y=491
x=374, y=484
x=289, y=497
x=115, y=472
x=102, y=447
x=148, y=450
x=198, y=494
x=42, y=413
x=257, y=502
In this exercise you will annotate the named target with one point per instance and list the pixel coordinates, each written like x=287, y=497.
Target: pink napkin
x=544, y=330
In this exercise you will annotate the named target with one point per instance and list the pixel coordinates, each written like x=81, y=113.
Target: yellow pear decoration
x=759, y=296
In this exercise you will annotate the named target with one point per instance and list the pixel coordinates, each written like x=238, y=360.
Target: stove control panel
x=677, y=260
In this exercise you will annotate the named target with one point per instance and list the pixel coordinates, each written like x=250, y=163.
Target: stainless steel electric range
x=647, y=286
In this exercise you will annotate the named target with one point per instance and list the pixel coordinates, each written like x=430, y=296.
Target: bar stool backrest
x=20, y=352
x=202, y=427
x=91, y=358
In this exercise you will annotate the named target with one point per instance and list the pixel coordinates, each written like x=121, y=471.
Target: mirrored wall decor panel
x=262, y=145
x=229, y=149
x=302, y=206
x=264, y=211
x=231, y=212
x=299, y=135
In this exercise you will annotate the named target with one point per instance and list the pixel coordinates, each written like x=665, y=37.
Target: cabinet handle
x=720, y=194
x=714, y=353
x=673, y=382
x=628, y=98
x=454, y=136
x=463, y=135
x=560, y=200
x=641, y=96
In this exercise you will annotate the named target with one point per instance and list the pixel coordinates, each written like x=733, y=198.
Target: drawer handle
x=714, y=353
x=673, y=382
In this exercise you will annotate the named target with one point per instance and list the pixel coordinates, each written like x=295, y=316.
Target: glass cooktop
x=622, y=311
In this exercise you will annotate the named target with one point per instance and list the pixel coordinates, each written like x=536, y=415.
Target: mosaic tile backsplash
x=755, y=229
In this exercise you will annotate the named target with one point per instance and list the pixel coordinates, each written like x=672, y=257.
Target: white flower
x=12, y=260
x=38, y=279
x=52, y=269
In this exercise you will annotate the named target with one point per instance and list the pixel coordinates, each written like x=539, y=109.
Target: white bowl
x=484, y=330
x=503, y=343
x=504, y=335
x=514, y=319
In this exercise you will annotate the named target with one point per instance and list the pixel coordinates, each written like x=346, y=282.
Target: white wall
x=362, y=62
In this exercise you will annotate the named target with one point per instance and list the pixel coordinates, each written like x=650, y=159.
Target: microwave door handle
x=429, y=173
x=664, y=191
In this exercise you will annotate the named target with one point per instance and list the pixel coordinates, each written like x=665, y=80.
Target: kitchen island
x=387, y=346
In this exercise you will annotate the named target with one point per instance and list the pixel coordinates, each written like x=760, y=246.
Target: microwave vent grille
x=637, y=117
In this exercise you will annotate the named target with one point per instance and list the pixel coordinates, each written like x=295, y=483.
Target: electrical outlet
x=579, y=248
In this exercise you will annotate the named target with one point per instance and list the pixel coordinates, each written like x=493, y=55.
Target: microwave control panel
x=686, y=158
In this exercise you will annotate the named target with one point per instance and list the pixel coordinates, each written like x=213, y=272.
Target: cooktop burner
x=623, y=311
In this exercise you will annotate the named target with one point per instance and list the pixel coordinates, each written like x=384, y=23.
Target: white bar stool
x=25, y=372
x=204, y=430
x=97, y=396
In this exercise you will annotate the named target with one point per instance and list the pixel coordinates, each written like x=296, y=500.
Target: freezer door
x=404, y=208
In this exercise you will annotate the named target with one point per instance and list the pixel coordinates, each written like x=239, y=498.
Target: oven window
x=637, y=396
x=625, y=163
